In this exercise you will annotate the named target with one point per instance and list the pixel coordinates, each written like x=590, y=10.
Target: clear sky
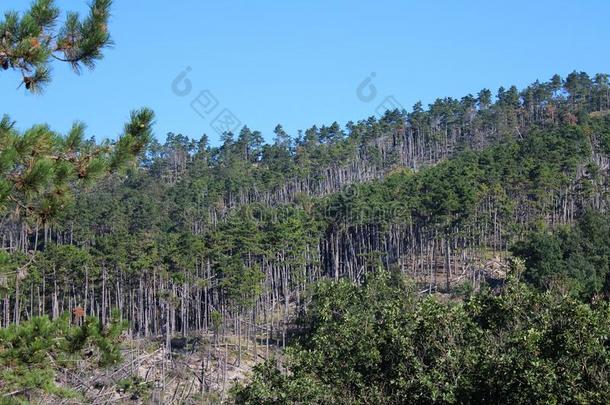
x=300, y=62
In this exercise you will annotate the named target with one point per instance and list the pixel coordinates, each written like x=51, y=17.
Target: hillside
x=229, y=241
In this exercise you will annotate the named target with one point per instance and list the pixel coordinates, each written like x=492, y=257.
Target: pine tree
x=31, y=40
x=39, y=169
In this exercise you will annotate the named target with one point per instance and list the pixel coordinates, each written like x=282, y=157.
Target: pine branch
x=29, y=42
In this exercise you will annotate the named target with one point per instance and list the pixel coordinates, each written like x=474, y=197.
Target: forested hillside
x=244, y=227
x=232, y=238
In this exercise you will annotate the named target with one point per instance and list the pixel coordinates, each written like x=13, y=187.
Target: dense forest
x=230, y=239
x=454, y=253
x=244, y=228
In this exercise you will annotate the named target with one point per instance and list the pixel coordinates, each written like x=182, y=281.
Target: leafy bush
x=379, y=343
x=575, y=260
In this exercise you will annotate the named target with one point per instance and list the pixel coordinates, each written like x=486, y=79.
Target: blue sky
x=300, y=62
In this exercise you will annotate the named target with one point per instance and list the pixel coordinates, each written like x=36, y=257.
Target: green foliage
x=576, y=260
x=270, y=386
x=541, y=347
x=449, y=195
x=32, y=352
x=378, y=343
x=216, y=321
x=136, y=387
x=212, y=235
x=30, y=40
x=40, y=169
